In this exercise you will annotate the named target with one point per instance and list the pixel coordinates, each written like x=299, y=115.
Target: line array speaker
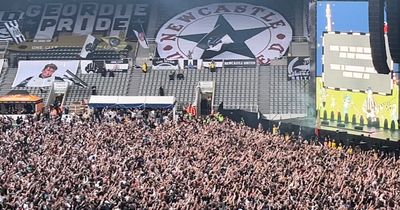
x=393, y=20
x=358, y=128
x=377, y=41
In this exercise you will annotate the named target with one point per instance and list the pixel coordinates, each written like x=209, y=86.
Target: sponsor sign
x=218, y=63
x=88, y=66
x=240, y=63
x=160, y=63
x=60, y=87
x=117, y=65
x=225, y=31
x=43, y=73
x=298, y=68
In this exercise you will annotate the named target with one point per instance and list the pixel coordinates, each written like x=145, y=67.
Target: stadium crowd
x=144, y=160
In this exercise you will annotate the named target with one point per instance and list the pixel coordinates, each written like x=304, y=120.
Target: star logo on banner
x=225, y=31
x=224, y=38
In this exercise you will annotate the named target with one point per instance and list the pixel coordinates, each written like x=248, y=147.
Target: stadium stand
x=281, y=98
x=6, y=79
x=236, y=87
x=134, y=138
x=70, y=53
x=117, y=85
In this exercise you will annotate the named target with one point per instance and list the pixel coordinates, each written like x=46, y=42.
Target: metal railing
x=300, y=39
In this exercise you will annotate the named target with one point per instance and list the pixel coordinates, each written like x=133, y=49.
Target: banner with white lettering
x=86, y=18
x=164, y=64
x=10, y=15
x=240, y=63
x=298, y=68
x=117, y=65
x=43, y=73
x=48, y=23
x=88, y=66
x=122, y=17
x=44, y=21
x=225, y=31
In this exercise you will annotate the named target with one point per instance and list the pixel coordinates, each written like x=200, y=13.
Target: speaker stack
x=377, y=40
x=358, y=128
x=393, y=20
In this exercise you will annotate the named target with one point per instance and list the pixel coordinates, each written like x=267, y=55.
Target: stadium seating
x=70, y=53
x=280, y=96
x=7, y=78
x=117, y=85
x=236, y=87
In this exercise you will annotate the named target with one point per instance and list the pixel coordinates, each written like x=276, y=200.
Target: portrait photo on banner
x=43, y=73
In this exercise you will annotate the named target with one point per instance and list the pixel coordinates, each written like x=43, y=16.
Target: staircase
x=236, y=87
x=135, y=81
x=6, y=79
x=264, y=84
x=280, y=98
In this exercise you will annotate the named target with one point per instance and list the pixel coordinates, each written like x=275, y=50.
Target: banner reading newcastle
x=164, y=64
x=225, y=31
x=240, y=63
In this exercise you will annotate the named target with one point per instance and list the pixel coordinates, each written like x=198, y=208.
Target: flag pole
x=145, y=37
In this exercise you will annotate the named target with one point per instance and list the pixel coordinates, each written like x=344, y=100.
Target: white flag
x=141, y=38
x=224, y=40
x=13, y=29
x=89, y=46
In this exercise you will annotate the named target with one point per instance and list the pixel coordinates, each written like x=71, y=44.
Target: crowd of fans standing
x=144, y=160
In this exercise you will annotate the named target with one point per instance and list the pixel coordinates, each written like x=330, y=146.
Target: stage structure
x=358, y=90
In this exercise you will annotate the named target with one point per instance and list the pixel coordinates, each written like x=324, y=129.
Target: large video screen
x=348, y=85
x=42, y=73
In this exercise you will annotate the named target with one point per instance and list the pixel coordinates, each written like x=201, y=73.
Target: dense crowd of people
x=145, y=160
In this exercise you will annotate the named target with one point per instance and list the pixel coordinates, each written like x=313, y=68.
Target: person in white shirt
x=45, y=78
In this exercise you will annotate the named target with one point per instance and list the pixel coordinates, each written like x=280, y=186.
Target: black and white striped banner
x=4, y=35
x=13, y=30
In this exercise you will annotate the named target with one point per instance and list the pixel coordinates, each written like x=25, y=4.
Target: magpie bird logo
x=225, y=31
x=89, y=47
x=298, y=68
